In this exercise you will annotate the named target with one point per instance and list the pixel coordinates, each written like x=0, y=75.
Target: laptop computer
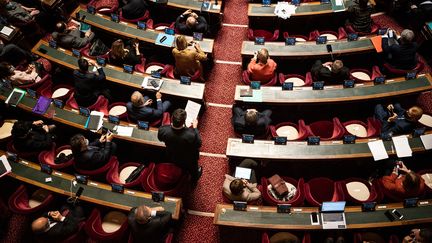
x=332, y=215
x=243, y=173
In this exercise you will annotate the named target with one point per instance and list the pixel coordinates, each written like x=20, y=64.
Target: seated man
x=401, y=53
x=190, y=22
x=262, y=67
x=188, y=60
x=54, y=227
x=396, y=120
x=17, y=77
x=88, y=85
x=330, y=72
x=92, y=156
x=70, y=37
x=151, y=224
x=32, y=136
x=139, y=108
x=13, y=54
x=134, y=9
x=17, y=13
x=360, y=16
x=251, y=121
x=403, y=183
x=418, y=235
x=240, y=189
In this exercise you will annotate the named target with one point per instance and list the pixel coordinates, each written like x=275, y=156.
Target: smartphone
x=314, y=218
x=79, y=192
x=43, y=50
x=397, y=214
x=329, y=48
x=163, y=39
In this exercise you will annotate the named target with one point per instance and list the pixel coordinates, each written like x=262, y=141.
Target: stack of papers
x=147, y=85
x=427, y=141
x=124, y=131
x=378, y=150
x=192, y=110
x=6, y=30
x=5, y=167
x=402, y=146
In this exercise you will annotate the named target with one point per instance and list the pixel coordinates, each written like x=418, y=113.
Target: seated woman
x=188, y=60
x=120, y=55
x=403, y=183
x=32, y=136
x=17, y=77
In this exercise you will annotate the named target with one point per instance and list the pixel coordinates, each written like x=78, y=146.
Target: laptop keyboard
x=331, y=217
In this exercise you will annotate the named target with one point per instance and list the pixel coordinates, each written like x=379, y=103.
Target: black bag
x=135, y=174
x=98, y=48
x=62, y=158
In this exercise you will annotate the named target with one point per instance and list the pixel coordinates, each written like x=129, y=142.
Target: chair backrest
x=19, y=202
x=93, y=228
x=112, y=162
x=318, y=190
x=142, y=18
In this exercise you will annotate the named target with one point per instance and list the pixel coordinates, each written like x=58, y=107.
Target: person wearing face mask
x=17, y=77
x=94, y=155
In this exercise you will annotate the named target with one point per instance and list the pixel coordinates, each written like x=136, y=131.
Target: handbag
x=135, y=174
x=278, y=185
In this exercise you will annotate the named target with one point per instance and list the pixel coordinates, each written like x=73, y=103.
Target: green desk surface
x=309, y=48
x=267, y=218
x=336, y=93
x=194, y=5
x=173, y=87
x=130, y=30
x=72, y=118
x=265, y=149
x=304, y=9
x=99, y=193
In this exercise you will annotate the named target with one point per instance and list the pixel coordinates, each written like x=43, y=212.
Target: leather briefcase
x=278, y=185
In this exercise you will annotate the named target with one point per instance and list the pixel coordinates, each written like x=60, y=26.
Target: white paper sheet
x=192, y=111
x=402, y=146
x=124, y=131
x=427, y=141
x=6, y=30
x=145, y=84
x=243, y=173
x=378, y=150
x=6, y=165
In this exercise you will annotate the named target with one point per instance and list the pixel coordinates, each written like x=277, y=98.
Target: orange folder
x=377, y=42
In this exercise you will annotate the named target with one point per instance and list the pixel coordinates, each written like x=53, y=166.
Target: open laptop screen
x=333, y=206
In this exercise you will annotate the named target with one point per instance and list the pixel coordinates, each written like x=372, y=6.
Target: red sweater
x=393, y=184
x=262, y=72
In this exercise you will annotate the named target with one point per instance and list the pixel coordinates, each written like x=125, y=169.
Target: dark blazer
x=134, y=9
x=15, y=13
x=87, y=86
x=37, y=139
x=239, y=122
x=61, y=230
x=95, y=157
x=402, y=56
x=400, y=126
x=145, y=113
x=201, y=26
x=154, y=230
x=72, y=39
x=12, y=54
x=321, y=73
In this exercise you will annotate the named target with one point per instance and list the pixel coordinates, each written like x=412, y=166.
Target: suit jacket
x=72, y=39
x=145, y=113
x=36, y=140
x=87, y=86
x=188, y=61
x=393, y=184
x=401, y=125
x=154, y=230
x=15, y=13
x=262, y=72
x=250, y=192
x=200, y=27
x=360, y=18
x=321, y=73
x=134, y=9
x=61, y=230
x=95, y=157
x=402, y=56
x=239, y=122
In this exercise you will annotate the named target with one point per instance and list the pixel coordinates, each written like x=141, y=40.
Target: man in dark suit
x=139, y=108
x=13, y=54
x=396, y=120
x=149, y=224
x=70, y=37
x=92, y=156
x=88, y=85
x=190, y=22
x=401, y=53
x=330, y=72
x=251, y=121
x=134, y=9
x=32, y=136
x=54, y=227
x=182, y=143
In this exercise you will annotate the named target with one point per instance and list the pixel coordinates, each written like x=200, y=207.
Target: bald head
x=137, y=99
x=263, y=56
x=142, y=214
x=40, y=225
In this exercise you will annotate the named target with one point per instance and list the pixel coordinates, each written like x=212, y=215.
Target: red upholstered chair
x=48, y=157
x=401, y=72
x=297, y=79
x=78, y=236
x=153, y=66
x=118, y=109
x=60, y=91
x=25, y=201
x=296, y=201
x=142, y=18
x=101, y=171
x=140, y=66
x=266, y=239
x=320, y=190
x=165, y=120
x=118, y=174
x=299, y=38
x=313, y=35
x=21, y=154
x=168, y=239
x=165, y=177
x=374, y=28
x=169, y=73
x=98, y=231
x=101, y=104
x=159, y=26
x=301, y=129
x=327, y=130
x=268, y=36
x=105, y=6
x=373, y=194
x=34, y=86
x=86, y=53
x=246, y=79
x=362, y=129
x=364, y=75
x=428, y=190
x=391, y=239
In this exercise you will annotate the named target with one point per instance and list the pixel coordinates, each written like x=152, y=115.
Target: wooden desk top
x=94, y=192
x=130, y=30
x=309, y=48
x=304, y=9
x=73, y=118
x=336, y=93
x=172, y=87
x=264, y=217
x=299, y=150
x=195, y=5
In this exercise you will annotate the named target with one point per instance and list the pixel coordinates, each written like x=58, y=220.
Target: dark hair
x=426, y=235
x=20, y=129
x=251, y=118
x=236, y=186
x=61, y=27
x=411, y=181
x=363, y=3
x=76, y=143
x=178, y=118
x=5, y=70
x=83, y=64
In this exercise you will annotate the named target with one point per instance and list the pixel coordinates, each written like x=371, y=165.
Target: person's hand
x=327, y=64
x=56, y=215
x=34, y=12
x=87, y=33
x=390, y=108
x=187, y=12
x=403, y=167
x=392, y=118
x=30, y=68
x=102, y=139
x=109, y=137
x=194, y=15
x=158, y=208
x=1, y=42
x=148, y=102
x=72, y=27
x=92, y=62
x=195, y=123
x=408, y=239
x=158, y=95
x=38, y=122
x=46, y=128
x=197, y=46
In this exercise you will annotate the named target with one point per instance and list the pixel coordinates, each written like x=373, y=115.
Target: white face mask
x=86, y=142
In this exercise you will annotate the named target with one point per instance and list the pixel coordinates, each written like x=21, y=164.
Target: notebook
x=165, y=40
x=94, y=122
